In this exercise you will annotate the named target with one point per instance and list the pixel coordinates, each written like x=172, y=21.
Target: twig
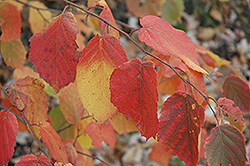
x=143, y=50
x=38, y=8
x=94, y=157
x=60, y=130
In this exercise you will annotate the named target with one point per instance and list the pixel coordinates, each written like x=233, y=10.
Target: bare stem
x=94, y=157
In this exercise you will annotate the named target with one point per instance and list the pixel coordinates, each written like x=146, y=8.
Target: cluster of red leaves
x=106, y=82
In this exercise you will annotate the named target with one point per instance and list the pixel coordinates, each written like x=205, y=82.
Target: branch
x=94, y=157
x=60, y=130
x=143, y=50
x=37, y=8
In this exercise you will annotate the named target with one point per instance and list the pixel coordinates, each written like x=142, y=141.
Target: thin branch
x=38, y=8
x=94, y=157
x=143, y=50
x=60, y=130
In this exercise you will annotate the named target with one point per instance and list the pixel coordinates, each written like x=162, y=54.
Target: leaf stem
x=94, y=157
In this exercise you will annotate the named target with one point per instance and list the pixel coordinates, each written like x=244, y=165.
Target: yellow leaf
x=39, y=20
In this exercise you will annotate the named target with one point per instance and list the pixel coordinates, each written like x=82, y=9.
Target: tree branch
x=94, y=157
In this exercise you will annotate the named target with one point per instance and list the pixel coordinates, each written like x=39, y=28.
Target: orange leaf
x=133, y=89
x=53, y=51
x=33, y=160
x=159, y=154
x=10, y=21
x=180, y=123
x=9, y=131
x=122, y=125
x=14, y=53
x=27, y=94
x=106, y=134
x=71, y=152
x=99, y=59
x=162, y=37
x=70, y=104
x=53, y=142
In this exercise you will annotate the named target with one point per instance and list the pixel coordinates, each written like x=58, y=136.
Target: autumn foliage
x=101, y=92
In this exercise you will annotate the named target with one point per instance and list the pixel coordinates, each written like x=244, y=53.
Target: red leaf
x=9, y=131
x=32, y=160
x=133, y=89
x=237, y=90
x=162, y=37
x=27, y=94
x=159, y=154
x=106, y=134
x=180, y=125
x=98, y=60
x=107, y=15
x=10, y=20
x=231, y=113
x=225, y=146
x=52, y=51
x=53, y=142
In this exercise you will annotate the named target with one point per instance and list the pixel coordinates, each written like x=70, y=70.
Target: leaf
x=159, y=155
x=17, y=4
x=122, y=125
x=142, y=8
x=33, y=160
x=28, y=96
x=53, y=51
x=162, y=37
x=27, y=71
x=9, y=131
x=70, y=104
x=217, y=60
x=38, y=19
x=106, y=134
x=10, y=20
x=97, y=62
x=14, y=53
x=107, y=15
x=84, y=140
x=226, y=146
x=133, y=89
x=231, y=113
x=172, y=10
x=237, y=90
x=83, y=160
x=180, y=124
x=71, y=152
x=59, y=122
x=7, y=104
x=53, y=142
